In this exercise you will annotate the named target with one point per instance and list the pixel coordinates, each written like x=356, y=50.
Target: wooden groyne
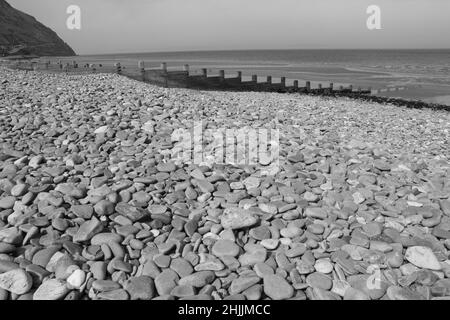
x=183, y=77
x=233, y=82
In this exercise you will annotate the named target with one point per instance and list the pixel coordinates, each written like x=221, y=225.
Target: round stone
x=166, y=281
x=260, y=233
x=323, y=266
x=225, y=248
x=140, y=288
x=76, y=279
x=290, y=232
x=7, y=202
x=270, y=244
x=319, y=280
x=277, y=288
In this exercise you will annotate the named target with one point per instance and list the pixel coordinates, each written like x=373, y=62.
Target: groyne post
x=222, y=75
x=239, y=76
x=118, y=68
x=204, y=72
x=165, y=74
x=296, y=84
x=283, y=82
x=308, y=86
x=141, y=66
x=269, y=79
x=254, y=78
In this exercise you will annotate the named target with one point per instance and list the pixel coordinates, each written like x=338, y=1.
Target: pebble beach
x=92, y=206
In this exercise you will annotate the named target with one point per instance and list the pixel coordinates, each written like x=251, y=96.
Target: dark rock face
x=21, y=34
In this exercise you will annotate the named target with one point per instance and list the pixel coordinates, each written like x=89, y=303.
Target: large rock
x=51, y=290
x=237, y=218
x=88, y=230
x=422, y=257
x=16, y=281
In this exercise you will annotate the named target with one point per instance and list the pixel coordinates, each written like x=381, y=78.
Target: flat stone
x=76, y=279
x=209, y=262
x=270, y=244
x=105, y=285
x=140, y=288
x=19, y=190
x=114, y=295
x=399, y=293
x=254, y=254
x=263, y=269
x=225, y=248
x=166, y=281
x=198, y=279
x=240, y=284
x=260, y=233
x=251, y=183
x=205, y=186
x=6, y=265
x=101, y=130
x=150, y=269
x=323, y=266
x=101, y=238
x=319, y=280
x=181, y=266
x=316, y=212
x=104, y=207
x=7, y=202
x=7, y=247
x=354, y=294
x=88, y=230
x=11, y=236
x=236, y=218
x=166, y=167
x=16, y=281
x=98, y=269
x=52, y=289
x=183, y=291
x=422, y=257
x=83, y=211
x=131, y=212
x=42, y=257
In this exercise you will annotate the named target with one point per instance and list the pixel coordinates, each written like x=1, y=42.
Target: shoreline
x=434, y=102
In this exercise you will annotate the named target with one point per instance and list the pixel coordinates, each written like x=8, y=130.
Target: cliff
x=22, y=34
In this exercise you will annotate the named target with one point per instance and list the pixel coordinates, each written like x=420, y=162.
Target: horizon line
x=299, y=49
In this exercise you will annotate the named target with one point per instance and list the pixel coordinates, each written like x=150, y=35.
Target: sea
x=410, y=74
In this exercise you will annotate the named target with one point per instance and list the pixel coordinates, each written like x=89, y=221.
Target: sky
x=125, y=26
